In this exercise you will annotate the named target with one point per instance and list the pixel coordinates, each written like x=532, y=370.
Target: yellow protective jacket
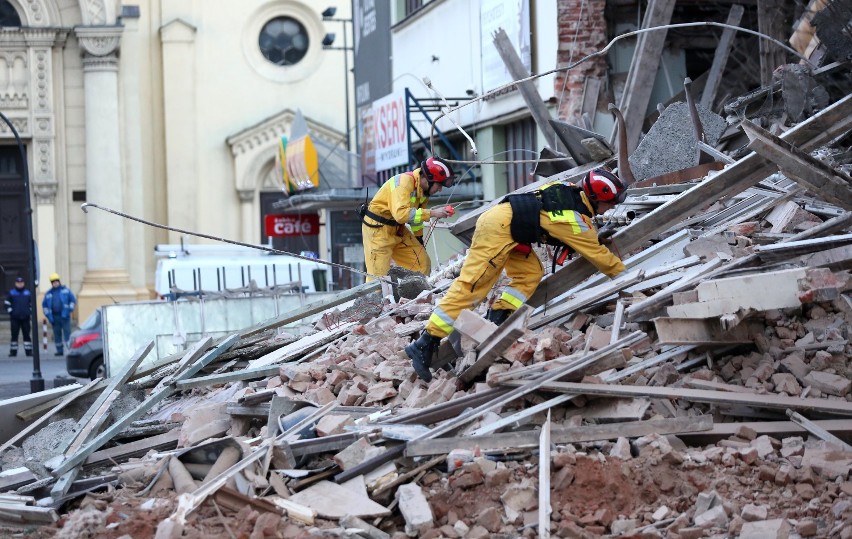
x=401, y=199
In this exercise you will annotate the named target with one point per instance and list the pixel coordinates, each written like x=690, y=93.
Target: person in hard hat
x=402, y=201
x=58, y=304
x=559, y=214
x=19, y=305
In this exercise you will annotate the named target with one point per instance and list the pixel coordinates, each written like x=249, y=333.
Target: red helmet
x=603, y=186
x=438, y=170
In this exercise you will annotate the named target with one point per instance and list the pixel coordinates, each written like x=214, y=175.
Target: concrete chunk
x=713, y=518
x=415, y=509
x=829, y=383
x=777, y=528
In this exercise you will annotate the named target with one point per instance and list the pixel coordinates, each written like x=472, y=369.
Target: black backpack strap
x=559, y=197
x=525, y=217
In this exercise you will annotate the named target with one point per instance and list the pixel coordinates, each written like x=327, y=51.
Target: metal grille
x=412, y=5
x=520, y=144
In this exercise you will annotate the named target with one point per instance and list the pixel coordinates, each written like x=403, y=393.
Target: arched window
x=8, y=15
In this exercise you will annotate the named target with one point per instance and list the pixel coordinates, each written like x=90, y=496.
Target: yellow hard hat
x=54, y=277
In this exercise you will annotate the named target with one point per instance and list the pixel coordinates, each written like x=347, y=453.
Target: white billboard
x=390, y=126
x=513, y=16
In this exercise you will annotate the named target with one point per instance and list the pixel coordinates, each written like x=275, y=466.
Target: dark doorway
x=13, y=225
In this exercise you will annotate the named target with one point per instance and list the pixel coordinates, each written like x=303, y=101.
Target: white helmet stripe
x=601, y=178
x=444, y=167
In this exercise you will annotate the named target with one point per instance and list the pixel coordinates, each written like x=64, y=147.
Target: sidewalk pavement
x=16, y=372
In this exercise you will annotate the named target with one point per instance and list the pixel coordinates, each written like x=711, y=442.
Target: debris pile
x=706, y=391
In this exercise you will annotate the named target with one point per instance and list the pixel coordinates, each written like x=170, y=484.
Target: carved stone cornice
x=266, y=131
x=33, y=37
x=100, y=63
x=99, y=40
x=45, y=192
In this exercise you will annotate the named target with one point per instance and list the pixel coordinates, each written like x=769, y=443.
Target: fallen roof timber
x=528, y=439
x=833, y=186
x=313, y=308
x=808, y=135
x=828, y=406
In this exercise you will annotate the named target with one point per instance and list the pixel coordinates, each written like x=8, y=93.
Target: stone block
x=752, y=513
x=795, y=365
x=333, y=424
x=829, y=383
x=490, y=519
x=791, y=446
x=597, y=337
x=320, y=396
x=806, y=527
x=828, y=463
x=712, y=518
x=746, y=432
x=763, y=444
x=706, y=501
x=621, y=449
x=777, y=528
x=415, y=509
x=786, y=383
x=380, y=391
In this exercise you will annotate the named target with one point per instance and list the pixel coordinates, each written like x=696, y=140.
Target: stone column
x=247, y=217
x=106, y=279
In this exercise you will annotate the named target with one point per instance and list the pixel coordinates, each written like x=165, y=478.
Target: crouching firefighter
x=559, y=214
x=402, y=201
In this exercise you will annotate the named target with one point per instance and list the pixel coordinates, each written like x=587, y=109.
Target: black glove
x=420, y=239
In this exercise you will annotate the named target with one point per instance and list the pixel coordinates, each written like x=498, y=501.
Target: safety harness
x=363, y=212
x=526, y=226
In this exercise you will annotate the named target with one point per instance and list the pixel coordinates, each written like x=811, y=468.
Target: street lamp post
x=37, y=382
x=328, y=15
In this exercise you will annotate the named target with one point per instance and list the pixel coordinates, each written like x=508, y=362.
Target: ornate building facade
x=169, y=110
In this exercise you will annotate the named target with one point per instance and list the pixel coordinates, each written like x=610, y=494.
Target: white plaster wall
x=231, y=95
x=456, y=43
x=71, y=151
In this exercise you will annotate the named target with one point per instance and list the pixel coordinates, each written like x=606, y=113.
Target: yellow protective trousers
x=491, y=251
x=381, y=245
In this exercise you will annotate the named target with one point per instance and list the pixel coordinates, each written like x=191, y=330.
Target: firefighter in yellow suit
x=402, y=201
x=559, y=213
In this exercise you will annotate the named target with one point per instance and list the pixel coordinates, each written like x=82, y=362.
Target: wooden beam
x=830, y=185
x=720, y=58
x=643, y=69
x=528, y=439
x=544, y=508
x=776, y=429
x=37, y=424
x=302, y=346
x=748, y=171
x=154, y=398
x=313, y=308
x=188, y=358
x=528, y=386
x=817, y=431
x=770, y=21
x=699, y=395
x=488, y=352
x=517, y=71
x=224, y=378
x=138, y=448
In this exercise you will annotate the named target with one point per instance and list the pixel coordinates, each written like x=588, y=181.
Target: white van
x=212, y=268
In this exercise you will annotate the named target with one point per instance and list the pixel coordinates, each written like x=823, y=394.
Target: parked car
x=85, y=357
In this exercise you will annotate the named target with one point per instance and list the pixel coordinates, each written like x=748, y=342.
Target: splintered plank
x=153, y=399
x=65, y=401
x=833, y=186
x=699, y=395
x=314, y=308
x=544, y=508
x=301, y=347
x=166, y=440
x=524, y=440
x=511, y=330
x=748, y=171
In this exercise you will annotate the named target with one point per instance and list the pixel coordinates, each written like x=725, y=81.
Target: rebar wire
x=87, y=205
x=601, y=52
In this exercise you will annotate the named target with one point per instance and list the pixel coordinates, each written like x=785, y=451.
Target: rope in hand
x=85, y=207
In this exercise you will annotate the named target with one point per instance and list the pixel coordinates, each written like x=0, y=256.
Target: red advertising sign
x=299, y=224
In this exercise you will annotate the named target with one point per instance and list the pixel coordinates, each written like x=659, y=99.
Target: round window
x=283, y=41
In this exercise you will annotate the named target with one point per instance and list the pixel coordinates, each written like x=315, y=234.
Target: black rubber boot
x=13, y=353
x=498, y=316
x=421, y=352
